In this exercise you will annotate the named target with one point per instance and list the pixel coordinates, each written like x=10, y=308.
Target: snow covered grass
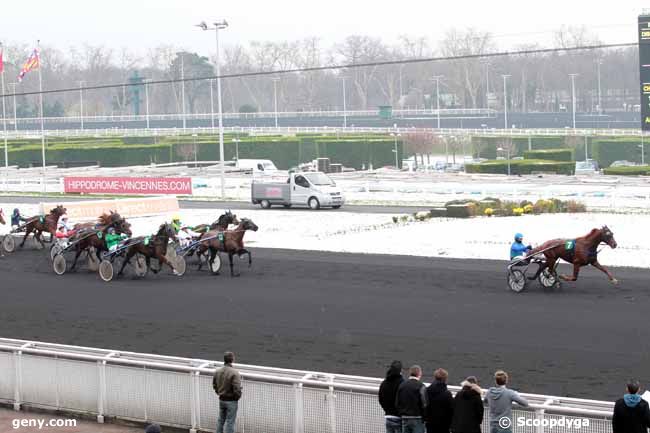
x=480, y=238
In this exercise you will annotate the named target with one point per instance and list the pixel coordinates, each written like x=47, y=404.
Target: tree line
x=535, y=82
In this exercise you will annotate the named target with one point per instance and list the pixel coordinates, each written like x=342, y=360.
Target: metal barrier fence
x=148, y=132
x=177, y=392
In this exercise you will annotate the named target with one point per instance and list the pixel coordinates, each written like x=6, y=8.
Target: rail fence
x=149, y=132
x=177, y=392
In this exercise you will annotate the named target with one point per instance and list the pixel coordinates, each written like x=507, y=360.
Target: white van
x=257, y=166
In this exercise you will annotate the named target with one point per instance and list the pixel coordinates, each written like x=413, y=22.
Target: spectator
x=388, y=395
x=468, y=408
x=227, y=384
x=440, y=404
x=152, y=428
x=631, y=413
x=499, y=400
x=411, y=402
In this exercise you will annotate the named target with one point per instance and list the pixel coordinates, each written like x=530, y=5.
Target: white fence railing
x=177, y=392
x=493, y=132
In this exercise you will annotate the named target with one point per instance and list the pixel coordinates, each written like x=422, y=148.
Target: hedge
x=608, y=150
x=551, y=154
x=523, y=166
x=639, y=170
x=352, y=151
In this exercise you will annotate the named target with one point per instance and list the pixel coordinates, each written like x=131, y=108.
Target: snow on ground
x=481, y=238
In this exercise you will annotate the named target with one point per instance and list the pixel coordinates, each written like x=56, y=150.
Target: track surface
x=348, y=313
x=234, y=205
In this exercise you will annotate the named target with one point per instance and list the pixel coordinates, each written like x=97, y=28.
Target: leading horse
x=579, y=252
x=232, y=242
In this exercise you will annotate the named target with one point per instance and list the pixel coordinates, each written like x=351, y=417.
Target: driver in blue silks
x=518, y=249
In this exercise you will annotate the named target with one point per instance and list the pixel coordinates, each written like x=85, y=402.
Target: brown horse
x=39, y=224
x=579, y=252
x=88, y=234
x=232, y=243
x=156, y=247
x=219, y=225
x=2, y=217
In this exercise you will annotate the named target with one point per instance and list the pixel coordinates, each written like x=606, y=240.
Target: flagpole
x=4, y=118
x=40, y=86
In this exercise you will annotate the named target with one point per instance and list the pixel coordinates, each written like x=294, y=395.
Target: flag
x=32, y=63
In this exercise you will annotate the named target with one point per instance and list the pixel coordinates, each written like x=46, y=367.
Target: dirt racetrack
x=349, y=313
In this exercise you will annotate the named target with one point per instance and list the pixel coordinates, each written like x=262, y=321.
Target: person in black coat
x=631, y=413
x=440, y=408
x=387, y=396
x=468, y=408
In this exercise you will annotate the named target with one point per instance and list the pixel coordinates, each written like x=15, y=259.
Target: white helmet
x=64, y=217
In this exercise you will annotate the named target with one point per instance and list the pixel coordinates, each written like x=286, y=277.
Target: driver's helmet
x=111, y=231
x=16, y=211
x=64, y=217
x=176, y=219
x=519, y=237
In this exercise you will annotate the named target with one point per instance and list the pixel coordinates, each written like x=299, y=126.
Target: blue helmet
x=518, y=237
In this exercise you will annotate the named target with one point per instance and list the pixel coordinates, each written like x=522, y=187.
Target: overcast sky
x=142, y=24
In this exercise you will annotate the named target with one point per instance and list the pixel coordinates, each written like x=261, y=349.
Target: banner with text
x=128, y=185
x=127, y=207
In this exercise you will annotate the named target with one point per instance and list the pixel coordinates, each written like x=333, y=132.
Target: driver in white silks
x=183, y=233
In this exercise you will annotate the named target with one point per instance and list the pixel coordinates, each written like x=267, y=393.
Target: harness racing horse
x=232, y=242
x=220, y=225
x=38, y=225
x=2, y=217
x=155, y=247
x=579, y=252
x=95, y=240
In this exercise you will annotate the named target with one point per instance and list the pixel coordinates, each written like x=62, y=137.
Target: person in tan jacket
x=227, y=384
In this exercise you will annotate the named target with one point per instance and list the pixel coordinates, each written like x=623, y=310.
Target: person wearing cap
x=183, y=233
x=113, y=240
x=387, y=396
x=17, y=218
x=468, y=408
x=63, y=228
x=518, y=249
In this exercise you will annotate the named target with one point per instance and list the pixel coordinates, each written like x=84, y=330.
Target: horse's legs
x=600, y=267
x=232, y=272
x=245, y=251
x=28, y=231
x=576, y=271
x=127, y=259
x=76, y=257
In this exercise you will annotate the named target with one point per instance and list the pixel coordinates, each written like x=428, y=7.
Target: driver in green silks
x=113, y=240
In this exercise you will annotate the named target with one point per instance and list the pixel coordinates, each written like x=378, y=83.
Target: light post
x=236, y=141
x=642, y=149
x=275, y=98
x=146, y=101
x=573, y=97
x=194, y=136
x=345, y=116
x=15, y=109
x=437, y=80
x=219, y=25
x=505, y=102
x=212, y=103
x=501, y=149
x=600, y=101
x=183, y=88
x=487, y=85
x=395, y=134
x=81, y=104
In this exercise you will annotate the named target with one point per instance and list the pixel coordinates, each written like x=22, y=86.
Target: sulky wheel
x=106, y=270
x=179, y=265
x=548, y=280
x=54, y=250
x=93, y=261
x=140, y=266
x=215, y=267
x=517, y=280
x=59, y=264
x=9, y=243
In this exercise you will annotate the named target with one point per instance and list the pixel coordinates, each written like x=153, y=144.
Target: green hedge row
x=640, y=170
x=608, y=150
x=550, y=154
x=286, y=152
x=523, y=166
